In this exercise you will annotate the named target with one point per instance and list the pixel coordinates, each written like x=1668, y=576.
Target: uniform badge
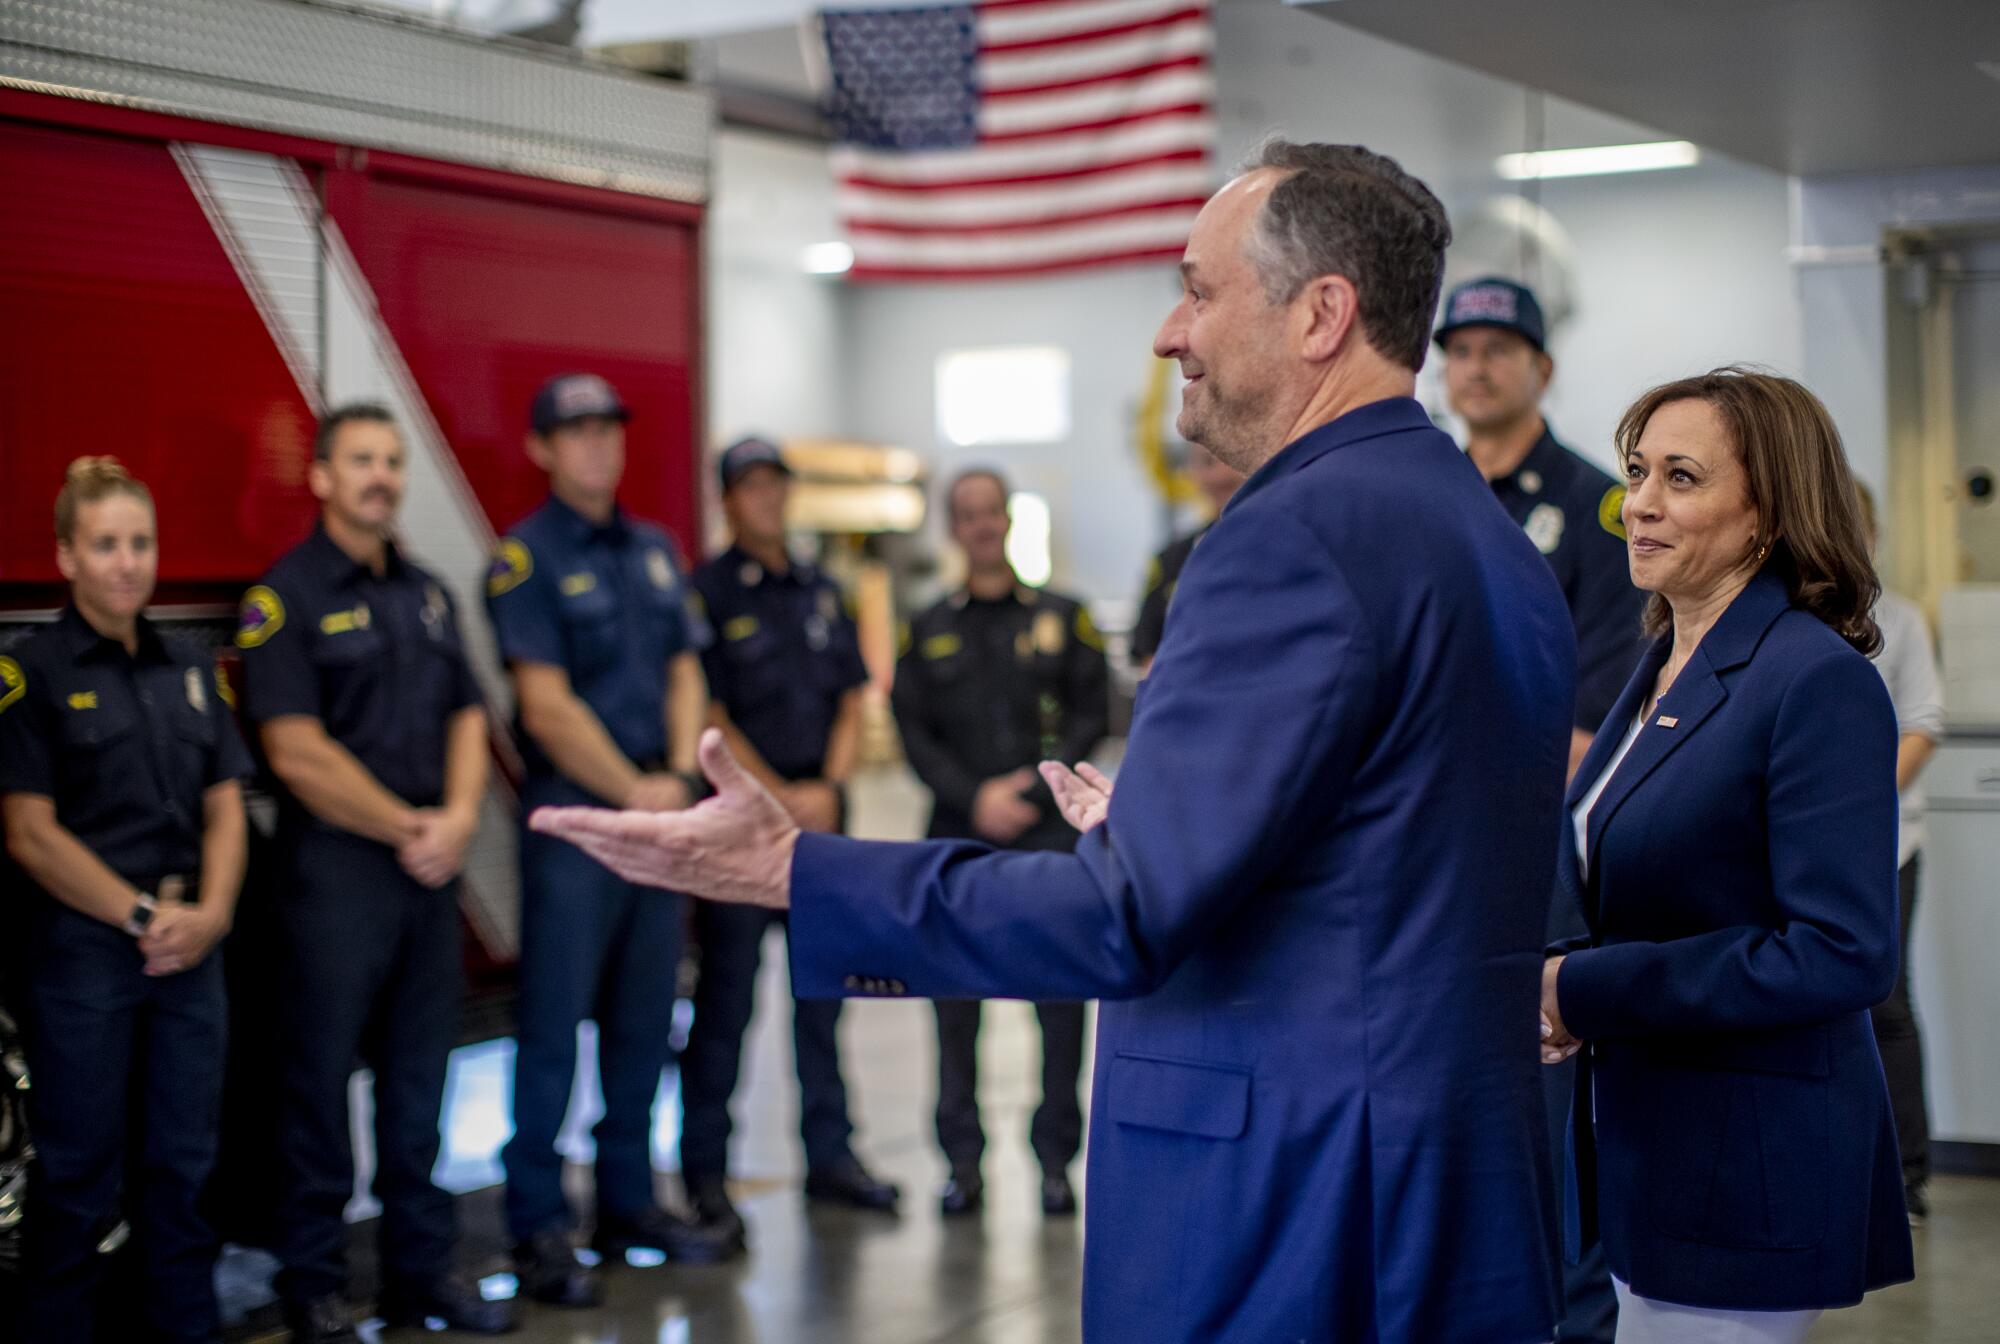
x=83, y=700
x=1531, y=481
x=1611, y=512
x=575, y=585
x=13, y=683
x=659, y=570
x=1545, y=528
x=1049, y=633
x=941, y=646
x=739, y=628
x=512, y=564
x=436, y=609
x=259, y=617
x=197, y=693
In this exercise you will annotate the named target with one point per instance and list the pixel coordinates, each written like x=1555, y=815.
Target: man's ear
x=537, y=449
x=319, y=479
x=1332, y=310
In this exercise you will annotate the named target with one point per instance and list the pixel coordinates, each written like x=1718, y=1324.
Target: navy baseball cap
x=574, y=396
x=1494, y=302
x=744, y=454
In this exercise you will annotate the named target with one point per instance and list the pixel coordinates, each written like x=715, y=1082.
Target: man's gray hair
x=1343, y=210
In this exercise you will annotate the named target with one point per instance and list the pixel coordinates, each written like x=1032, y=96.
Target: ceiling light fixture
x=1598, y=159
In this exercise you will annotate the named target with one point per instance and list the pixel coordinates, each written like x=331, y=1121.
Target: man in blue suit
x=1314, y=903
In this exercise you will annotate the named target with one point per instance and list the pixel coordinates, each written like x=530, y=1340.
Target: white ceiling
x=1801, y=86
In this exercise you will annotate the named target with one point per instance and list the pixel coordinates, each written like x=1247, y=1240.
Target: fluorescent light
x=1597, y=159
x=827, y=258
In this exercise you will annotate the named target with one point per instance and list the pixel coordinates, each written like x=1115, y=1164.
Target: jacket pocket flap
x=1803, y=1052
x=1210, y=1100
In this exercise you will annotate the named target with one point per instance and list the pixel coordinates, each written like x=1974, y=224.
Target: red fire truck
x=218, y=217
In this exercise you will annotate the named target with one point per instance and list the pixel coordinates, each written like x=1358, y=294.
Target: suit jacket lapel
x=1696, y=694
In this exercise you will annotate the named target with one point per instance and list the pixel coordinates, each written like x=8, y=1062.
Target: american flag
x=1009, y=137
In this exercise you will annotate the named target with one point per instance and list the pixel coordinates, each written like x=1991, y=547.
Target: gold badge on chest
x=659, y=570
x=1049, y=633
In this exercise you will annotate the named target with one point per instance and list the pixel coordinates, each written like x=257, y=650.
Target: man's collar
x=1391, y=415
x=342, y=569
x=1544, y=458
x=81, y=640
x=577, y=529
x=750, y=571
x=1020, y=594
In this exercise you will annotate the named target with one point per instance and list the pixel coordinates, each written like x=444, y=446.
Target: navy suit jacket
x=1318, y=902
x=1741, y=901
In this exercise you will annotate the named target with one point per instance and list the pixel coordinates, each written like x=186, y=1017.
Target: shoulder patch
x=13, y=683
x=259, y=617
x=512, y=564
x=1086, y=629
x=1611, y=512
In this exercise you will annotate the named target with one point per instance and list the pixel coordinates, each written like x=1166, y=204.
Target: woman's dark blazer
x=1741, y=901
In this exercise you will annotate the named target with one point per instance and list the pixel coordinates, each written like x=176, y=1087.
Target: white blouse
x=1580, y=815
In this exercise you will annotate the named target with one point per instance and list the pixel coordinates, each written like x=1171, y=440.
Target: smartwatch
x=141, y=917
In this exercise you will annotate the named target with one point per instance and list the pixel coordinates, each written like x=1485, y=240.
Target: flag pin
x=1669, y=721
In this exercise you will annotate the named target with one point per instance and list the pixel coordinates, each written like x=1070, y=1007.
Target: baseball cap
x=1494, y=302
x=573, y=396
x=744, y=454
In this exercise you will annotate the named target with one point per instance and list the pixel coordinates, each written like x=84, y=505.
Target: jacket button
x=895, y=986
x=851, y=982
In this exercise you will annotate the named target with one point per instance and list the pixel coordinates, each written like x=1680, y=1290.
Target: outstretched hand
x=1083, y=795
x=734, y=847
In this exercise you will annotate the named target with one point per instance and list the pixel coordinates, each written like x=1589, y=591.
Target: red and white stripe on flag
x=1095, y=124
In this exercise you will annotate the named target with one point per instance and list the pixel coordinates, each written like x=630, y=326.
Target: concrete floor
x=1009, y=1276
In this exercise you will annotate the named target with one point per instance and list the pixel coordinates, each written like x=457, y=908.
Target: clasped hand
x=1557, y=1043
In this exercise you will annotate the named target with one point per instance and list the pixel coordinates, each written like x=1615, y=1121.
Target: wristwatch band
x=141, y=917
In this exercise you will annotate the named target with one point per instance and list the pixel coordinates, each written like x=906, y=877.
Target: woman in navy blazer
x=1733, y=846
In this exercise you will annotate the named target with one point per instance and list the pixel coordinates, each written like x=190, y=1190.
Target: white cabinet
x=1955, y=947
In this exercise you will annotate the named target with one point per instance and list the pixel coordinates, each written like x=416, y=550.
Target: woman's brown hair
x=88, y=480
x=1808, y=512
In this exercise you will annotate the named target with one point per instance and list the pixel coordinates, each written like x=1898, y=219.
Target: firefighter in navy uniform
x=1217, y=481
x=374, y=731
x=1496, y=370
x=784, y=680
x=603, y=644
x=995, y=678
x=119, y=770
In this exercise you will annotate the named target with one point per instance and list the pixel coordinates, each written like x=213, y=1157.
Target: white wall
x=1677, y=273
x=1104, y=513
x=774, y=332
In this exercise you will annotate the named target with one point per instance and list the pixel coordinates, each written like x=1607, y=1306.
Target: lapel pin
x=1669, y=721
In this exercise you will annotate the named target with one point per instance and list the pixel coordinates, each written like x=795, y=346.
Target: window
x=1028, y=540
x=1008, y=394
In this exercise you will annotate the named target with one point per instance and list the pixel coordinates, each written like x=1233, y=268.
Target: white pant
x=1641, y=1320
